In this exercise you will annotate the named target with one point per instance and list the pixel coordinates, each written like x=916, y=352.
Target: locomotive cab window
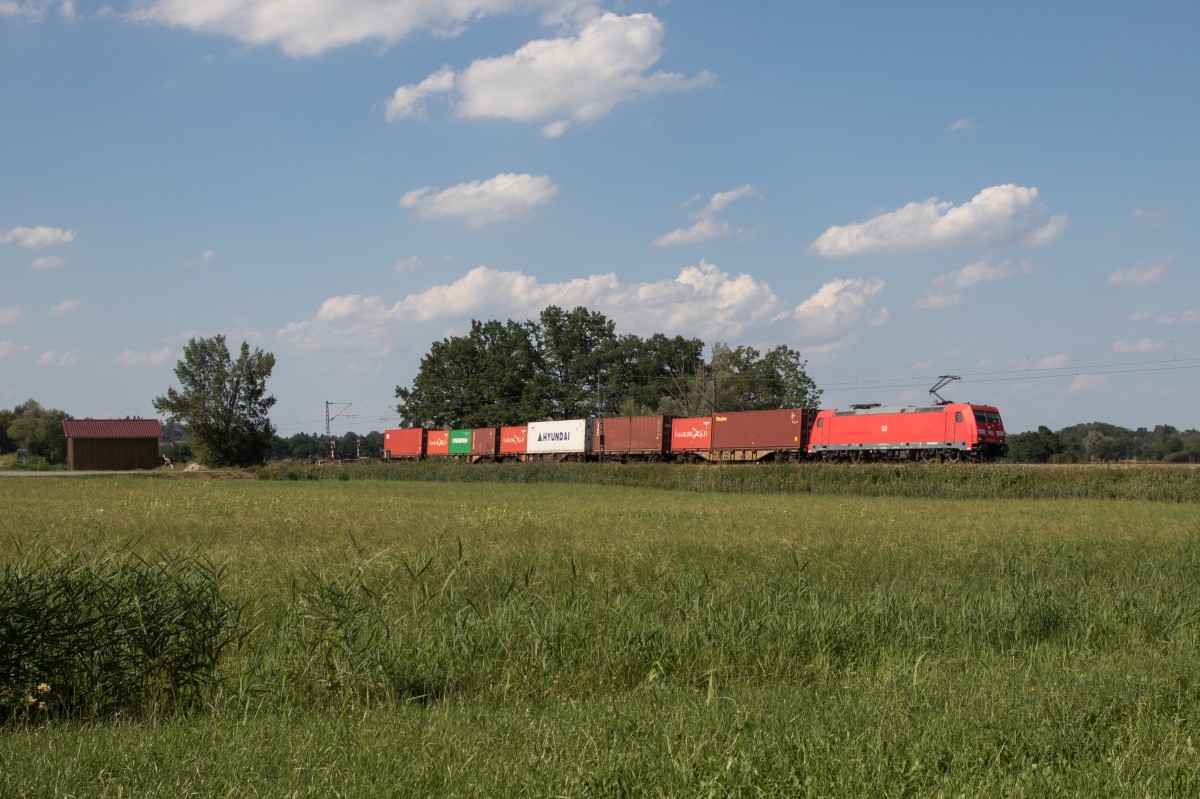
x=958, y=416
x=821, y=422
x=981, y=417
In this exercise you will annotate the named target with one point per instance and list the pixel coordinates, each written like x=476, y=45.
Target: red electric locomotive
x=956, y=431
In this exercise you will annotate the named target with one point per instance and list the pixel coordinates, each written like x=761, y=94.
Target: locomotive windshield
x=987, y=417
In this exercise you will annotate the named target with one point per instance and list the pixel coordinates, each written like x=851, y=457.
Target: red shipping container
x=630, y=435
x=405, y=443
x=485, y=441
x=512, y=440
x=437, y=442
x=776, y=429
x=691, y=434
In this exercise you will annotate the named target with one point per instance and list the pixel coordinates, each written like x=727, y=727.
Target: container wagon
x=404, y=444
x=626, y=438
x=559, y=441
x=774, y=435
x=691, y=437
x=437, y=442
x=513, y=442
x=485, y=444
x=460, y=444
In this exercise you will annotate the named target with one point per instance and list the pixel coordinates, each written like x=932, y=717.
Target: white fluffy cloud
x=36, y=237
x=65, y=307
x=1144, y=345
x=480, y=203
x=310, y=27
x=705, y=229
x=841, y=305
x=156, y=358
x=10, y=348
x=52, y=358
x=47, y=262
x=1186, y=318
x=1143, y=274
x=556, y=82
x=996, y=215
x=702, y=300
x=946, y=289
x=707, y=226
x=1086, y=382
x=10, y=314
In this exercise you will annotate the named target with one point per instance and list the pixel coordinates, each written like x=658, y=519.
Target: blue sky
x=898, y=191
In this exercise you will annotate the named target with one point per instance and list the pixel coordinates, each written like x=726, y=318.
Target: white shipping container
x=572, y=437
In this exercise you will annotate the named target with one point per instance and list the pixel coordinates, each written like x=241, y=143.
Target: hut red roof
x=112, y=428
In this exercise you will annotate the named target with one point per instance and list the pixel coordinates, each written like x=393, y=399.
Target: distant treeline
x=1097, y=441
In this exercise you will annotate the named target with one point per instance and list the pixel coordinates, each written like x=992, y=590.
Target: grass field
x=398, y=637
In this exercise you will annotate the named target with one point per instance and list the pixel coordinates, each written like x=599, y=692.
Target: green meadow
x=656, y=631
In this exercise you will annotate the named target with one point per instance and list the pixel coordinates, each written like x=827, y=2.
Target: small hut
x=112, y=444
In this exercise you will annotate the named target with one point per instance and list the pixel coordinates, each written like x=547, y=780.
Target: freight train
x=947, y=431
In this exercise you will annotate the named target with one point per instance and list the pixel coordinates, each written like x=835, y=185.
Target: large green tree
x=571, y=364
x=37, y=429
x=223, y=402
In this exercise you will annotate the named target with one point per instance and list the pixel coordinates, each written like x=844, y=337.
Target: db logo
x=883, y=428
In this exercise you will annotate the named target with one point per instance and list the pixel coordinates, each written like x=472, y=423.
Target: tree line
x=574, y=364
x=1098, y=441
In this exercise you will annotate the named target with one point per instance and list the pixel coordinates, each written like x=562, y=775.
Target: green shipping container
x=460, y=442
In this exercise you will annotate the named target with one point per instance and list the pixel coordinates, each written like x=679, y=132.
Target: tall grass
x=492, y=639
x=83, y=637
x=944, y=481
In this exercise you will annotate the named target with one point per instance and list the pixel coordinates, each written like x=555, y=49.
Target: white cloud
x=1053, y=362
x=310, y=27
x=10, y=348
x=963, y=123
x=708, y=226
x=996, y=215
x=480, y=203
x=1145, y=345
x=1143, y=274
x=36, y=237
x=1150, y=217
x=156, y=358
x=65, y=307
x=27, y=11
x=557, y=82
x=407, y=264
x=202, y=258
x=945, y=290
x=702, y=300
x=703, y=230
x=1086, y=382
x=1186, y=318
x=407, y=100
x=840, y=305
x=47, y=262
x=52, y=358
x=10, y=314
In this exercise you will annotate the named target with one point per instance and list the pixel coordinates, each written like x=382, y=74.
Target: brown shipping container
x=512, y=440
x=782, y=429
x=631, y=435
x=437, y=442
x=406, y=443
x=485, y=441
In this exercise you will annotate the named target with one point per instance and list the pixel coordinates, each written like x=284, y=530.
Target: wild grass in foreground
x=508, y=640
